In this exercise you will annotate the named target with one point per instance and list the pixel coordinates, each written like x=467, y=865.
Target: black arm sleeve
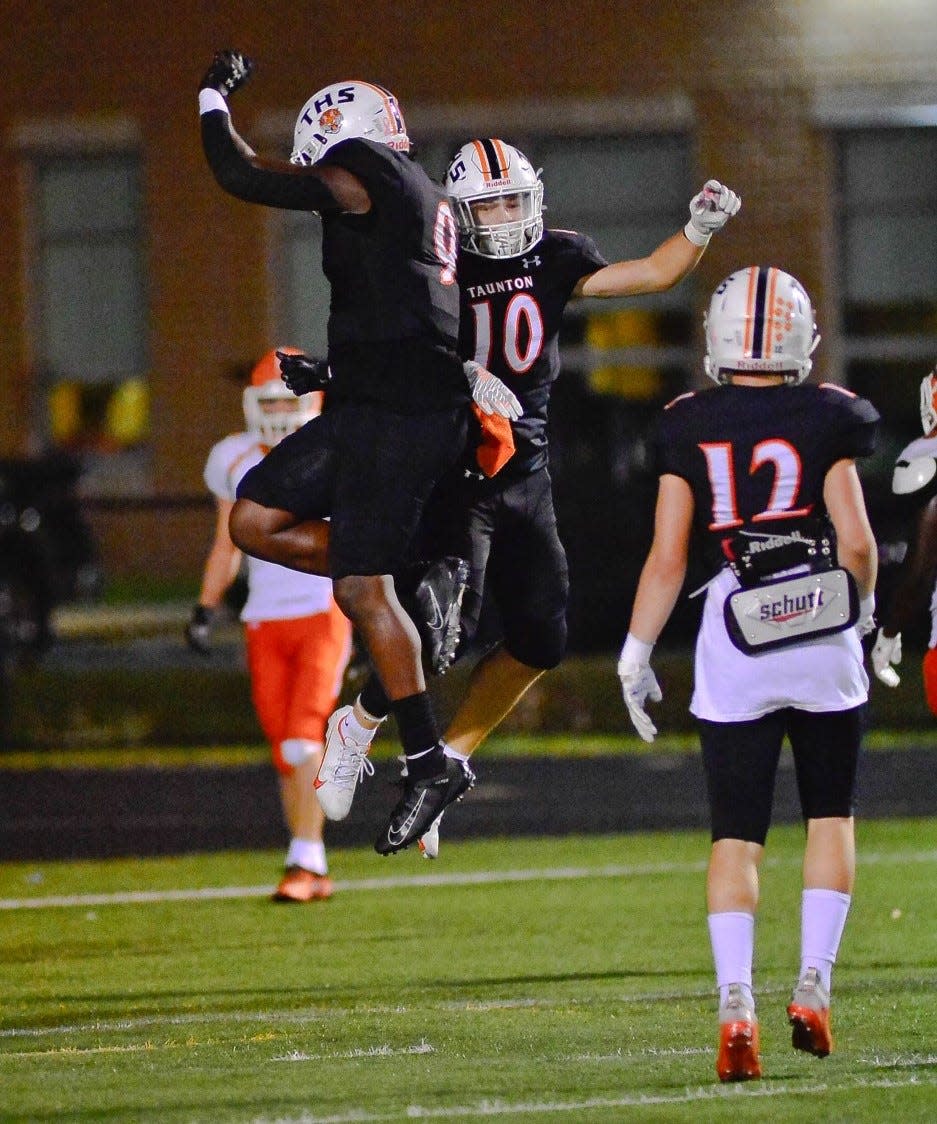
x=286, y=186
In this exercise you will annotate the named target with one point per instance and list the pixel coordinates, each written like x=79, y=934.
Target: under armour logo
x=528, y=262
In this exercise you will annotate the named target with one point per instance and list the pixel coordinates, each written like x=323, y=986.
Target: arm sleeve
x=272, y=183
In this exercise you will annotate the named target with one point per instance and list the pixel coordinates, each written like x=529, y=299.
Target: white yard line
x=497, y=1108
x=414, y=881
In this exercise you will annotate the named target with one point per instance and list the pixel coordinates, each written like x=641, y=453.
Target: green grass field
x=543, y=980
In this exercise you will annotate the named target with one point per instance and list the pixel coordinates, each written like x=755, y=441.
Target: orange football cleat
x=809, y=1015
x=299, y=885
x=738, y=1040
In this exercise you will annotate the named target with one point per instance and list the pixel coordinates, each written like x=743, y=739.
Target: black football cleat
x=423, y=801
x=435, y=604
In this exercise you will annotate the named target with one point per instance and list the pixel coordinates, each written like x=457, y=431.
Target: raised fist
x=302, y=374
x=710, y=210
x=228, y=72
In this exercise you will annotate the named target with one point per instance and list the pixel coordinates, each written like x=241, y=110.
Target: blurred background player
x=515, y=280
x=761, y=471
x=914, y=484
x=298, y=640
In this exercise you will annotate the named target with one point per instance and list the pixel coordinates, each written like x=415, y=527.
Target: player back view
x=760, y=471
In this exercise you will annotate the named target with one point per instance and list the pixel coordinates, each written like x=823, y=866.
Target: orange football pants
x=296, y=668
x=930, y=678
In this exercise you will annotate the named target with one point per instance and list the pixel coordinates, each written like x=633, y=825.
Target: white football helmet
x=483, y=170
x=271, y=409
x=344, y=110
x=929, y=402
x=760, y=320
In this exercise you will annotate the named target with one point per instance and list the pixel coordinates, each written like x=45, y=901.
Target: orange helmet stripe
x=768, y=346
x=482, y=159
x=750, y=308
x=390, y=104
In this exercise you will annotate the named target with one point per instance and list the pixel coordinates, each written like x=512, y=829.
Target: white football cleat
x=429, y=842
x=344, y=763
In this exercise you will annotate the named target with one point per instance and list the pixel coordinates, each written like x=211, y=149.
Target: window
x=90, y=317
x=888, y=223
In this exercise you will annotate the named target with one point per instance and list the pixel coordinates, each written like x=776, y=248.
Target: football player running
x=761, y=471
x=398, y=394
x=914, y=485
x=298, y=640
x=516, y=277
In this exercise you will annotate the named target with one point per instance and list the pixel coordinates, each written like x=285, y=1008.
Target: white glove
x=887, y=651
x=490, y=394
x=866, y=622
x=710, y=210
x=638, y=684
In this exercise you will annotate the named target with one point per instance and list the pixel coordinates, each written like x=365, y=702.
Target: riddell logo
x=788, y=608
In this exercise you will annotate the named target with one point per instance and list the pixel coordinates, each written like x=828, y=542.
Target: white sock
x=356, y=730
x=373, y=718
x=822, y=920
x=454, y=753
x=309, y=854
x=732, y=936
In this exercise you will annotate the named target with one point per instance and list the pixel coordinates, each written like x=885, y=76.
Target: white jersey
x=274, y=592
x=729, y=686
x=916, y=470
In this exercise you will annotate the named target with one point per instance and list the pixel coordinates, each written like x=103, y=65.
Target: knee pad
x=929, y=669
x=293, y=752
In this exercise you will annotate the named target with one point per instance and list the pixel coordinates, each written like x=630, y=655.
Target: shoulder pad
x=912, y=475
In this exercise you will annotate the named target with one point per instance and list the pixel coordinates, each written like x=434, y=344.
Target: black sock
x=374, y=699
x=419, y=734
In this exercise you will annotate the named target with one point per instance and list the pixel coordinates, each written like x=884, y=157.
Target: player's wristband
x=695, y=236
x=210, y=100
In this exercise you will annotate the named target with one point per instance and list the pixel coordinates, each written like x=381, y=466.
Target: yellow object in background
x=99, y=416
x=624, y=327
x=128, y=412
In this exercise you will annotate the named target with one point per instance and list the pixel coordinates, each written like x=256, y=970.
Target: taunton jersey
x=394, y=313
x=756, y=457
x=511, y=311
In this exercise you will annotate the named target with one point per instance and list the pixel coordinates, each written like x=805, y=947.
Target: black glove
x=302, y=374
x=198, y=630
x=228, y=72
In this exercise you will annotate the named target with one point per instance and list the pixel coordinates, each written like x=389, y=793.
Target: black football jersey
x=394, y=313
x=511, y=311
x=756, y=457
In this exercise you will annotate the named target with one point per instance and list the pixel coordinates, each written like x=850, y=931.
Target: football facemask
x=760, y=320
x=271, y=409
x=929, y=402
x=344, y=110
x=482, y=174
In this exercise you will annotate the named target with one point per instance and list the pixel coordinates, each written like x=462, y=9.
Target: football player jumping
x=398, y=394
x=298, y=640
x=761, y=471
x=515, y=279
x=914, y=483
